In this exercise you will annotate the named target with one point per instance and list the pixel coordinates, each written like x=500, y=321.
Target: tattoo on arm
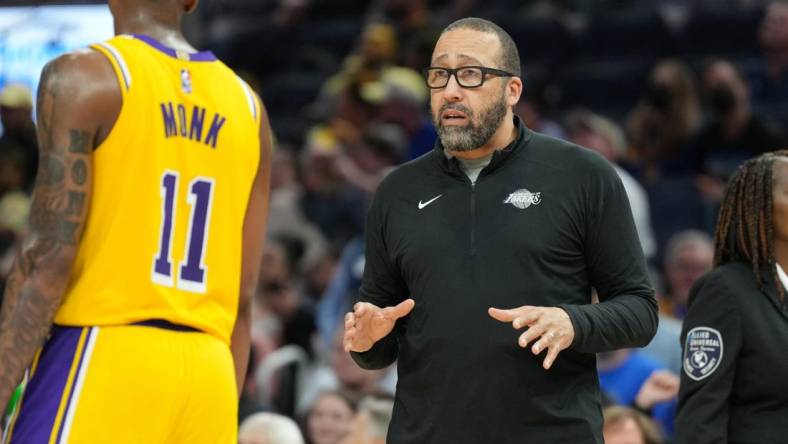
x=58, y=213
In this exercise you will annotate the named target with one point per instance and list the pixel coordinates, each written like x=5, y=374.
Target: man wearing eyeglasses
x=480, y=260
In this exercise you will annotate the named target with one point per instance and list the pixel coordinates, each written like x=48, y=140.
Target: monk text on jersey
x=190, y=124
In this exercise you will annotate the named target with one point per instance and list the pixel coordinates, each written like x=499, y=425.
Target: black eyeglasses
x=467, y=76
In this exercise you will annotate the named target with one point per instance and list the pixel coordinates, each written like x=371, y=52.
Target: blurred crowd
x=675, y=94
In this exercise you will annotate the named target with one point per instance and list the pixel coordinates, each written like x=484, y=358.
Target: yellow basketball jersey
x=171, y=185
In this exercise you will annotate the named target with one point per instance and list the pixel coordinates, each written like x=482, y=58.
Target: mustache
x=457, y=107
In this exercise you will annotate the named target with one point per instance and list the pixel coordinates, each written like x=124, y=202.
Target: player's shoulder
x=84, y=82
x=83, y=63
x=80, y=76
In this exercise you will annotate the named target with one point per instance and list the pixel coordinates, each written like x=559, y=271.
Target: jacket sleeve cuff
x=579, y=324
x=382, y=354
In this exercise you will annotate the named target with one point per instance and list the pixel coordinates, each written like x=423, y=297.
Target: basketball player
x=145, y=236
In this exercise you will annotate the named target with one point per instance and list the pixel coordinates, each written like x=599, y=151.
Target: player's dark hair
x=745, y=227
x=510, y=58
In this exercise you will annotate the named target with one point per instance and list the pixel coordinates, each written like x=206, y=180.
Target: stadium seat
x=610, y=85
x=337, y=36
x=279, y=377
x=642, y=35
x=720, y=33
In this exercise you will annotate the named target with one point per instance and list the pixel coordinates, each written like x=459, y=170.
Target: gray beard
x=472, y=135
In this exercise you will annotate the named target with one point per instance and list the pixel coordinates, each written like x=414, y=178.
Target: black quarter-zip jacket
x=734, y=381
x=545, y=222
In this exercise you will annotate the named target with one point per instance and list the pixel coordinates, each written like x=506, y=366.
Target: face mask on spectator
x=660, y=96
x=722, y=100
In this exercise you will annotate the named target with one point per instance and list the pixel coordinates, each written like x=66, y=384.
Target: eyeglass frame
x=453, y=72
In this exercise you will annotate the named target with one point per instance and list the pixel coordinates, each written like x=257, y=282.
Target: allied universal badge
x=702, y=352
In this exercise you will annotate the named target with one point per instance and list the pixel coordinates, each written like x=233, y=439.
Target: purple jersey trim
x=202, y=56
x=44, y=392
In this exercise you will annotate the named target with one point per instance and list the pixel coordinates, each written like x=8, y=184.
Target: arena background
x=634, y=79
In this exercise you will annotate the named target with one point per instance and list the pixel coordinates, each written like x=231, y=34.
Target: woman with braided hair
x=734, y=383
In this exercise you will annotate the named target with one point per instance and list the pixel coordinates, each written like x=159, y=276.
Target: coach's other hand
x=368, y=323
x=550, y=324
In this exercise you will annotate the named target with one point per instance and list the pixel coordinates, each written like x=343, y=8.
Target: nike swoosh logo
x=424, y=204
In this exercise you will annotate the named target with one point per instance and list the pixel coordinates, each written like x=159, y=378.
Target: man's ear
x=514, y=89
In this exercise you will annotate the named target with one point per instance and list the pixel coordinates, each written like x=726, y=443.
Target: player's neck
x=167, y=32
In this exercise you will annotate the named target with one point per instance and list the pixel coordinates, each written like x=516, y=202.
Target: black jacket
x=545, y=222
x=734, y=385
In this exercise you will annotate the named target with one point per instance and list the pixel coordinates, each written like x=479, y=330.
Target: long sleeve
x=627, y=313
x=711, y=340
x=381, y=285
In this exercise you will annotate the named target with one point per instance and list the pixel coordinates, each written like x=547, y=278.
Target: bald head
x=269, y=428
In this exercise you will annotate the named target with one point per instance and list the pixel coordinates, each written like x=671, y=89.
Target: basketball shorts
x=128, y=384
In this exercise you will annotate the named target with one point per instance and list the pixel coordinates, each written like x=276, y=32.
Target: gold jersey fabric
x=171, y=184
x=128, y=385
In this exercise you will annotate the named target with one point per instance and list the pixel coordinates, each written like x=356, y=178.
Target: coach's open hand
x=551, y=325
x=368, y=323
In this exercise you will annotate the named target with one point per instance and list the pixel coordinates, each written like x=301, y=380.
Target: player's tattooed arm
x=39, y=278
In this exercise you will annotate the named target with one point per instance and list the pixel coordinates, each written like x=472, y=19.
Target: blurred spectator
x=624, y=425
x=632, y=379
x=381, y=149
x=734, y=133
x=330, y=417
x=407, y=109
x=319, y=277
x=329, y=201
x=371, y=423
x=13, y=169
x=413, y=23
x=530, y=108
x=269, y=428
x=286, y=217
x=278, y=298
x=14, y=211
x=606, y=138
x=769, y=78
x=365, y=167
x=343, y=374
x=18, y=142
x=337, y=299
x=283, y=327
x=665, y=347
x=773, y=37
x=661, y=126
x=688, y=256
x=364, y=78
x=249, y=404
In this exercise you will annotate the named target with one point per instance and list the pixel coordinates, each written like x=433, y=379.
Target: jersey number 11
x=192, y=272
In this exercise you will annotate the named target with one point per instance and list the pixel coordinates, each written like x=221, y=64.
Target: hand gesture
x=550, y=325
x=368, y=323
x=661, y=386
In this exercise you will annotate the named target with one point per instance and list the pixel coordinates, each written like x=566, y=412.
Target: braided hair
x=745, y=227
